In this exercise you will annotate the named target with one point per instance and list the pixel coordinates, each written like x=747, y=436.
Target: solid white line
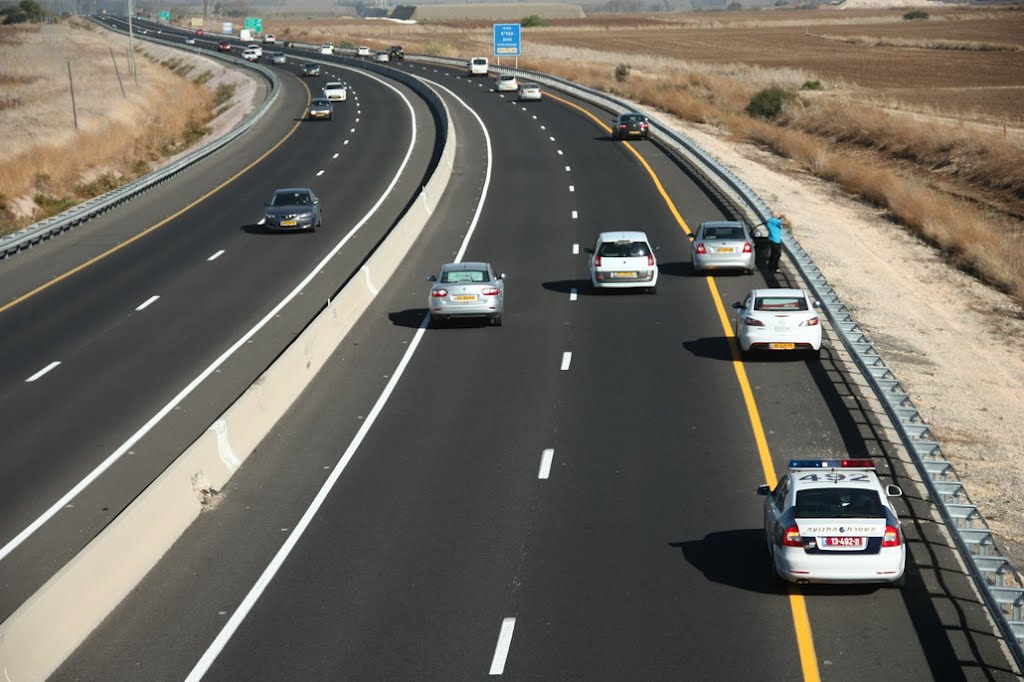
x=504, y=643
x=319, y=173
x=575, y=215
x=575, y=249
x=150, y=301
x=187, y=390
x=545, y=463
x=335, y=156
x=566, y=360
x=573, y=294
x=572, y=188
x=250, y=599
x=41, y=372
x=216, y=255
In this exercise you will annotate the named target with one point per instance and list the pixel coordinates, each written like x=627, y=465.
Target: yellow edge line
x=797, y=604
x=153, y=228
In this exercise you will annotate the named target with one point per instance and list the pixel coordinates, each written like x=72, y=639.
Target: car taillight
x=623, y=126
x=892, y=537
x=650, y=260
x=701, y=249
x=747, y=248
x=791, y=537
x=813, y=322
x=597, y=261
x=490, y=291
x=439, y=293
x=644, y=126
x=752, y=322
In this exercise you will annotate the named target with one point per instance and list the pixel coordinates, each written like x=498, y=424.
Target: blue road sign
x=507, y=40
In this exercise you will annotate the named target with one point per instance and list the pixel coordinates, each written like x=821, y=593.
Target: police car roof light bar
x=866, y=463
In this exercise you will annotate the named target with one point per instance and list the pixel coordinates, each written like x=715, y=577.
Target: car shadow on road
x=411, y=317
x=710, y=347
x=675, y=269
x=566, y=286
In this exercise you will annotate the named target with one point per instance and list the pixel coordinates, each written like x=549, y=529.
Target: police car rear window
x=838, y=503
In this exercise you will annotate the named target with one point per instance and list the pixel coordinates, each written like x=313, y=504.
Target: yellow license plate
x=623, y=274
x=727, y=249
x=781, y=346
x=289, y=223
x=465, y=297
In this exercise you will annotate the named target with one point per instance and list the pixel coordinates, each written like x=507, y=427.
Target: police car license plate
x=843, y=543
x=466, y=297
x=289, y=223
x=781, y=346
x=623, y=275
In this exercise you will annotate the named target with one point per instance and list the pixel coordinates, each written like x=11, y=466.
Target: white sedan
x=831, y=521
x=336, y=92
x=327, y=48
x=529, y=92
x=778, y=319
x=381, y=56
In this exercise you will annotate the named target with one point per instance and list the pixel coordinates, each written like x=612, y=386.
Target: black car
x=630, y=126
x=310, y=69
x=321, y=108
x=395, y=52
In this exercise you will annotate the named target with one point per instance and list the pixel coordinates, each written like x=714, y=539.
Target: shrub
x=621, y=72
x=532, y=21
x=734, y=6
x=769, y=103
x=915, y=14
x=225, y=91
x=811, y=85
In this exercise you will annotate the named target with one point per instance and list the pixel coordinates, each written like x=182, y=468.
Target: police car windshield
x=838, y=503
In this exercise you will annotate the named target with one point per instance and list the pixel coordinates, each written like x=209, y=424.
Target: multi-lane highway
x=569, y=496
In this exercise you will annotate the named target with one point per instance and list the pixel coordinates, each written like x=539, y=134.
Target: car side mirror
x=817, y=304
x=316, y=201
x=431, y=278
x=764, y=490
x=501, y=276
x=737, y=305
x=893, y=491
x=692, y=236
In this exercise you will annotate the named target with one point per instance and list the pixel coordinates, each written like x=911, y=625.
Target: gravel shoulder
x=949, y=339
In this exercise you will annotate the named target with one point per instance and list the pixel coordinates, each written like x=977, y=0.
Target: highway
x=567, y=497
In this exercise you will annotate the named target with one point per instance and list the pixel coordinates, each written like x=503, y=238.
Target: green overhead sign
x=254, y=24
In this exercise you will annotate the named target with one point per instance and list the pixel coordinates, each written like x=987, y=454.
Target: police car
x=831, y=521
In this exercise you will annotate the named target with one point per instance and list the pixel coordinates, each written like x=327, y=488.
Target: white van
x=477, y=66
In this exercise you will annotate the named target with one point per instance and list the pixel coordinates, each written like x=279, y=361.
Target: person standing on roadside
x=774, y=225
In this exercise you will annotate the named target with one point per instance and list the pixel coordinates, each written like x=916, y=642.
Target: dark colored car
x=630, y=126
x=395, y=52
x=310, y=69
x=321, y=109
x=223, y=46
x=296, y=208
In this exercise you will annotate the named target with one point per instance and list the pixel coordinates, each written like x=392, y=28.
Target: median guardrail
x=91, y=208
x=991, y=572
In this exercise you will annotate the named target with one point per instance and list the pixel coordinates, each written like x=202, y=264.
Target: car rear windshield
x=462, y=276
x=780, y=303
x=479, y=61
x=635, y=118
x=838, y=503
x=728, y=232
x=623, y=249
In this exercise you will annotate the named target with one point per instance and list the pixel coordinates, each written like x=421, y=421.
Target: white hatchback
x=778, y=320
x=623, y=260
x=362, y=51
x=336, y=92
x=327, y=48
x=506, y=82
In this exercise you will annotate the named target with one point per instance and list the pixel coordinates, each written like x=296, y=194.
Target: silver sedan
x=722, y=245
x=467, y=290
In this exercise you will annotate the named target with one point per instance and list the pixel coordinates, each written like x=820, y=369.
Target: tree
x=33, y=12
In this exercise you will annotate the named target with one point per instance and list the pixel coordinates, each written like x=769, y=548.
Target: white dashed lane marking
x=575, y=215
x=41, y=372
x=335, y=156
x=572, y=188
x=545, y=463
x=319, y=173
x=573, y=294
x=504, y=643
x=566, y=169
x=149, y=301
x=575, y=249
x=566, y=360
x=216, y=255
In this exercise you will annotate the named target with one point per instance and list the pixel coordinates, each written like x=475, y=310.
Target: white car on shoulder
x=506, y=82
x=477, y=66
x=831, y=521
x=327, y=48
x=335, y=91
x=269, y=39
x=362, y=51
x=778, y=319
x=623, y=260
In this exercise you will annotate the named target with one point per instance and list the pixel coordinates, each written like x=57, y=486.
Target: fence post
x=119, y=82
x=74, y=109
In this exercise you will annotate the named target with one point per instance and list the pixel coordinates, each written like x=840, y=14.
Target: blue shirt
x=774, y=226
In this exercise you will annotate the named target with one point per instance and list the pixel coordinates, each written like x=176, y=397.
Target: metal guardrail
x=965, y=522
x=91, y=208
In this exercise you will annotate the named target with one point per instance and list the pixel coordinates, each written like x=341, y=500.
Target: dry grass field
x=46, y=164
x=923, y=118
